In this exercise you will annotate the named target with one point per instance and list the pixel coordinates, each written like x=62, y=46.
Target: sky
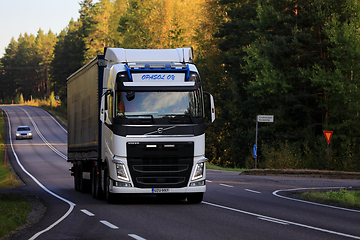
x=20, y=16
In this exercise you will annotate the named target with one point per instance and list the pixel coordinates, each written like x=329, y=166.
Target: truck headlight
x=121, y=172
x=199, y=171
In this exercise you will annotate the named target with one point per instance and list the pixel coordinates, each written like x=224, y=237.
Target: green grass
x=7, y=179
x=214, y=167
x=13, y=209
x=342, y=198
x=13, y=213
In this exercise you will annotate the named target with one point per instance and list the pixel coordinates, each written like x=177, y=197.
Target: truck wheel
x=194, y=198
x=76, y=177
x=84, y=184
x=109, y=197
x=95, y=183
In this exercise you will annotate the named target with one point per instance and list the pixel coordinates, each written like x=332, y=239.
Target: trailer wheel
x=84, y=184
x=76, y=177
x=194, y=198
x=110, y=198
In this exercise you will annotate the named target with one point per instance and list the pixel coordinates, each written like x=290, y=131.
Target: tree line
x=295, y=59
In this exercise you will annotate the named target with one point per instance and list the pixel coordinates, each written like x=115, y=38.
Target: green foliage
x=300, y=66
x=25, y=66
x=297, y=155
x=344, y=198
x=296, y=60
x=13, y=213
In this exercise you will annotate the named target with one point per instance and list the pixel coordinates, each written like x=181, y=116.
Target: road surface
x=234, y=206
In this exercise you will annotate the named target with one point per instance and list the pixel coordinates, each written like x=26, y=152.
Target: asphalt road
x=235, y=206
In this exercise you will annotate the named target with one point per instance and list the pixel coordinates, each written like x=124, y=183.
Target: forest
x=298, y=60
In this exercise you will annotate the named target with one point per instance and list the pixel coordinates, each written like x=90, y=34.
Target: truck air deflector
x=159, y=72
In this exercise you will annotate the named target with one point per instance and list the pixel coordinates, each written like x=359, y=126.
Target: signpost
x=260, y=118
x=265, y=118
x=328, y=135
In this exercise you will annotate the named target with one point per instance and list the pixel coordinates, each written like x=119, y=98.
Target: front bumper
x=24, y=137
x=129, y=190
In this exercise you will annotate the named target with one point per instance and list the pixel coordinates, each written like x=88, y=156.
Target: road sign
x=254, y=151
x=265, y=118
x=328, y=135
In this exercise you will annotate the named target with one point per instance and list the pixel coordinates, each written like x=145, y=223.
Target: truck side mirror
x=209, y=108
x=104, y=105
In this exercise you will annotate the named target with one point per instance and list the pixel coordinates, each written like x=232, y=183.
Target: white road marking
x=249, y=190
x=136, y=237
x=272, y=220
x=56, y=122
x=275, y=193
x=43, y=138
x=72, y=205
x=106, y=223
x=225, y=185
x=90, y=214
x=283, y=221
x=208, y=181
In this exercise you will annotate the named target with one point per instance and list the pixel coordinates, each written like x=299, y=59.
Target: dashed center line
x=90, y=214
x=136, y=237
x=249, y=190
x=106, y=223
x=225, y=185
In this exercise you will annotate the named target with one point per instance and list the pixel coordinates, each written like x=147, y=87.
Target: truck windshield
x=159, y=104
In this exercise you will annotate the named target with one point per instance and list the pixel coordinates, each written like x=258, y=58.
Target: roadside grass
x=7, y=179
x=214, y=167
x=342, y=198
x=13, y=213
x=13, y=208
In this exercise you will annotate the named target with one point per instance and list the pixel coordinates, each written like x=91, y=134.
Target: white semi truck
x=136, y=124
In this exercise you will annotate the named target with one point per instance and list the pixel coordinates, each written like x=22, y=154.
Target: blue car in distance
x=23, y=132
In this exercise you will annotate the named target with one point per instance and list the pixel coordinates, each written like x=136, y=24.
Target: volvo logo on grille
x=160, y=130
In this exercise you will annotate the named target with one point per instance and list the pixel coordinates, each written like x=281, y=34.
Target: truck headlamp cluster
x=121, y=172
x=199, y=171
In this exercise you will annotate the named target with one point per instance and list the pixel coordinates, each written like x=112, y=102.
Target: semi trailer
x=136, y=124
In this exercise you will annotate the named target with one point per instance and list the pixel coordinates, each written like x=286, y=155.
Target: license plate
x=160, y=190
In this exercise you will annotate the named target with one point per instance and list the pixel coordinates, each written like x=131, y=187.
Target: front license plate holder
x=160, y=190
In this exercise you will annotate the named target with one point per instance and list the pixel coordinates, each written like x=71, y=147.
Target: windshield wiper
x=177, y=117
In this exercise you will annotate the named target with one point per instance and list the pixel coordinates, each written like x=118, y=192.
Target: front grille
x=160, y=180
x=160, y=165
x=160, y=168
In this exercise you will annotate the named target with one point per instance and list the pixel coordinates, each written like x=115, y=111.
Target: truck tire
x=95, y=184
x=84, y=184
x=109, y=197
x=76, y=177
x=195, y=198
